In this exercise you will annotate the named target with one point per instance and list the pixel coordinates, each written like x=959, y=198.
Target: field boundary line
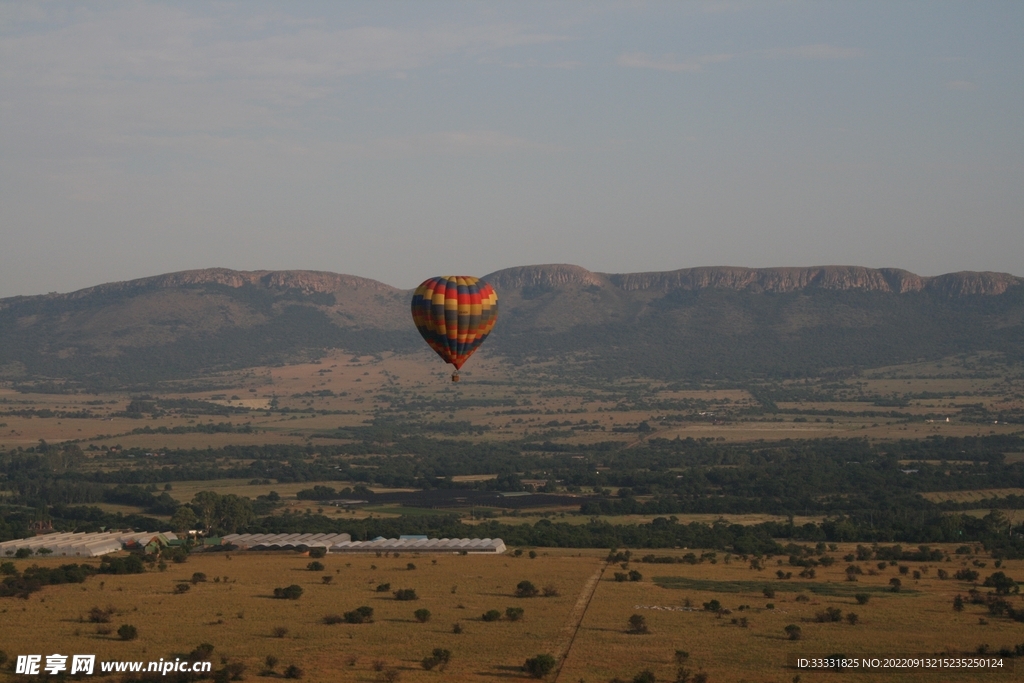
x=579, y=610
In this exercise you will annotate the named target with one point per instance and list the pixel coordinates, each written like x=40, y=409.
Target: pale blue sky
x=402, y=140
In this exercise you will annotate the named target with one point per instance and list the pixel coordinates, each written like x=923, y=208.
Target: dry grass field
x=238, y=616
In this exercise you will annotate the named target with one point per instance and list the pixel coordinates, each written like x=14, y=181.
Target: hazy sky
x=402, y=140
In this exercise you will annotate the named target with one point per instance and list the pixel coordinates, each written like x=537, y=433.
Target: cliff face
x=773, y=280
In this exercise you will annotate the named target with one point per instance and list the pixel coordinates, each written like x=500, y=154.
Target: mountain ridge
x=688, y=323
x=758, y=280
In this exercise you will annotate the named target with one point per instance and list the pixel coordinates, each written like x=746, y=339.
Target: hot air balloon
x=454, y=313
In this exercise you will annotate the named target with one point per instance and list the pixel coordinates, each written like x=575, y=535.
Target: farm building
x=343, y=543
x=79, y=544
x=283, y=541
x=493, y=546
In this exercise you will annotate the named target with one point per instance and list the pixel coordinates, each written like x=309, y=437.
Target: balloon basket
x=455, y=377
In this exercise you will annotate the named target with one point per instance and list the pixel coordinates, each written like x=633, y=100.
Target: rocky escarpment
x=773, y=280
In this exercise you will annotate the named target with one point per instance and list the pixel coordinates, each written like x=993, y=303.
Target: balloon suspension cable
x=455, y=376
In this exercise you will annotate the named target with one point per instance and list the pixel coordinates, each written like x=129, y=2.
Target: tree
x=1003, y=584
x=540, y=666
x=958, y=603
x=438, y=658
x=183, y=520
x=862, y=598
x=525, y=589
x=638, y=624
x=491, y=615
x=895, y=585
x=128, y=632
x=793, y=631
x=292, y=592
x=406, y=594
x=315, y=566
x=422, y=615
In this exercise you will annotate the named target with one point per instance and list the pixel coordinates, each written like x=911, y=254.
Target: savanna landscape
x=681, y=528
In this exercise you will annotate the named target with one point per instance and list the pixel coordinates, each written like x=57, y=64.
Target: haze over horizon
x=399, y=141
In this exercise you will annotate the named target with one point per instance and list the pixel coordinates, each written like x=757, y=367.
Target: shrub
x=198, y=577
x=862, y=598
x=621, y=577
x=293, y=671
x=422, y=615
x=326, y=579
x=318, y=552
x=793, y=631
x=270, y=662
x=958, y=603
x=966, y=575
x=410, y=566
x=182, y=588
x=292, y=592
x=491, y=615
x=360, y=615
x=712, y=606
x=438, y=658
x=333, y=619
x=525, y=589
x=100, y=616
x=768, y=592
x=540, y=666
x=852, y=618
x=456, y=628
x=895, y=585
x=514, y=613
x=406, y=594
x=645, y=676
x=280, y=631
x=638, y=624
x=384, y=588
x=315, y=566
x=550, y=591
x=830, y=614
x=127, y=632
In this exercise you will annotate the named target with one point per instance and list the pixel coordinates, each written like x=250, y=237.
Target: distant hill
x=700, y=322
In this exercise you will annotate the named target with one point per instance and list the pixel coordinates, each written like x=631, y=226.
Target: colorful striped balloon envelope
x=454, y=313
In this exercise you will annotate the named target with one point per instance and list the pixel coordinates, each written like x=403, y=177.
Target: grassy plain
x=238, y=616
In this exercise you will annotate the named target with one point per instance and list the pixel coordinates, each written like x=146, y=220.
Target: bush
x=852, y=618
x=768, y=592
x=621, y=577
x=895, y=585
x=456, y=628
x=293, y=672
x=438, y=658
x=182, y=588
x=638, y=624
x=280, y=631
x=645, y=676
x=830, y=614
x=966, y=575
x=551, y=591
x=491, y=615
x=315, y=566
x=333, y=619
x=862, y=598
x=384, y=588
x=422, y=615
x=326, y=579
x=128, y=632
x=100, y=616
x=410, y=566
x=540, y=666
x=360, y=615
x=514, y=613
x=406, y=594
x=198, y=577
x=292, y=592
x=793, y=631
x=525, y=589
x=318, y=552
